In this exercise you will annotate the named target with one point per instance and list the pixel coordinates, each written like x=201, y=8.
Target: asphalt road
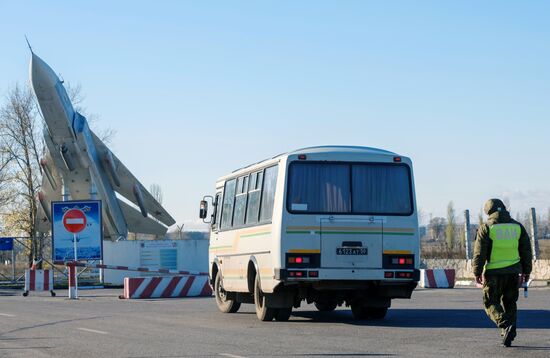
x=434, y=323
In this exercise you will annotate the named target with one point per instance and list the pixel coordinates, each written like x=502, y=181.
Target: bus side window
x=254, y=193
x=240, y=202
x=228, y=201
x=217, y=212
x=268, y=193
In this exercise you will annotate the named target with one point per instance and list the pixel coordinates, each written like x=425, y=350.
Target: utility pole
x=534, y=238
x=467, y=238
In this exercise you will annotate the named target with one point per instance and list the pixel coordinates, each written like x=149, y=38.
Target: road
x=434, y=323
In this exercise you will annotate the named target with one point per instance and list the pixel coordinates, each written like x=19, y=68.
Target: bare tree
x=436, y=228
x=20, y=141
x=450, y=233
x=5, y=194
x=480, y=217
x=77, y=98
x=507, y=204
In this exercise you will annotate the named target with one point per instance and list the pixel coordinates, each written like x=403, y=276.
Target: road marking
x=92, y=330
x=231, y=355
x=7, y=315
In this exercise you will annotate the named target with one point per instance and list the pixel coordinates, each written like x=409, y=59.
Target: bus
x=328, y=225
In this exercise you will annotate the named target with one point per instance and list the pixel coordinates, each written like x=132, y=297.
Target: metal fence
x=14, y=263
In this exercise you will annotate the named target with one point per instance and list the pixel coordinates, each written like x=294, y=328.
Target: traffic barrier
x=187, y=284
x=38, y=280
x=166, y=287
x=127, y=268
x=437, y=278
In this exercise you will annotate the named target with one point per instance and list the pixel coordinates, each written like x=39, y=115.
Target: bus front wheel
x=225, y=304
x=263, y=312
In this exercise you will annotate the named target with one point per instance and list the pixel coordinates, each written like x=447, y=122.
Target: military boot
x=509, y=335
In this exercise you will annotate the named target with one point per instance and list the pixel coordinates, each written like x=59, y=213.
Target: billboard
x=77, y=220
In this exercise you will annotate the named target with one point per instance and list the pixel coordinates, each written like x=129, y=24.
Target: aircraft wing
x=137, y=223
x=127, y=185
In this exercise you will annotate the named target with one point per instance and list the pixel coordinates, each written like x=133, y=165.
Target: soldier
x=502, y=251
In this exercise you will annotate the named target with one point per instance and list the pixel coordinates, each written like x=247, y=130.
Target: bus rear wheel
x=359, y=311
x=283, y=314
x=263, y=312
x=325, y=306
x=225, y=304
x=377, y=312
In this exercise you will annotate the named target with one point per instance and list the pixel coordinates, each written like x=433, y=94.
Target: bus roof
x=318, y=149
x=341, y=149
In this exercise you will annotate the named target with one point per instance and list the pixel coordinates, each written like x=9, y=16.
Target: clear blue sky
x=197, y=89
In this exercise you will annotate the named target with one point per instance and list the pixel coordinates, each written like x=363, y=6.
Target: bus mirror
x=203, y=209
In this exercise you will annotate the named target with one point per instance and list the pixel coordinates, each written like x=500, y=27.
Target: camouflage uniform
x=500, y=287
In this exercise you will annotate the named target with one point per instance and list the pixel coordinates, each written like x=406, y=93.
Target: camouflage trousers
x=500, y=294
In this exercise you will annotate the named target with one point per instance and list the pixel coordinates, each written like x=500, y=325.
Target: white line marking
x=92, y=330
x=7, y=315
x=230, y=355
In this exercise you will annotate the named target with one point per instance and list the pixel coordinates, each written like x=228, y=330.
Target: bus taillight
x=302, y=260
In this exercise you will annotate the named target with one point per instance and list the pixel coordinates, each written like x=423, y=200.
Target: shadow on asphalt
x=429, y=318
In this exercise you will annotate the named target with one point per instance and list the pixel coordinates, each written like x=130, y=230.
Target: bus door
x=351, y=243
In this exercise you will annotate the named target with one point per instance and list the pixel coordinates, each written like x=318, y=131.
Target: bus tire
x=377, y=312
x=359, y=311
x=263, y=312
x=325, y=306
x=225, y=304
x=283, y=314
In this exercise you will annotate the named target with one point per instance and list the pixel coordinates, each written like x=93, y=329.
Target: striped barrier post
x=437, y=278
x=166, y=287
x=38, y=280
x=73, y=286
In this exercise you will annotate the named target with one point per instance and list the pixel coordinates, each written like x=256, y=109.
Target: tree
x=5, y=193
x=480, y=218
x=20, y=141
x=450, y=233
x=507, y=203
x=436, y=227
x=77, y=99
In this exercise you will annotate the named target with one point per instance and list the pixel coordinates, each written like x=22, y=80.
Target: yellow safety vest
x=505, y=238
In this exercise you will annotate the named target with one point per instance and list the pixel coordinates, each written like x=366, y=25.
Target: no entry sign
x=74, y=220
x=77, y=222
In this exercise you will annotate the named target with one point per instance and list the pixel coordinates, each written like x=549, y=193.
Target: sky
x=197, y=89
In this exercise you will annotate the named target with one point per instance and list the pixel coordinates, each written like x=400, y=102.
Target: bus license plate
x=351, y=251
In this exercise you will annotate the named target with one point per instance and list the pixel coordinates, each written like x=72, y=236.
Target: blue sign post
x=77, y=230
x=6, y=243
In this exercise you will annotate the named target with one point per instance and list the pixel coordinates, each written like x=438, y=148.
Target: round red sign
x=74, y=220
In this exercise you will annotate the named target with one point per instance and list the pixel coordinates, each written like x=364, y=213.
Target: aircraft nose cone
x=41, y=75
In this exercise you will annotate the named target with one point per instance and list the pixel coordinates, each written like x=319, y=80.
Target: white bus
x=331, y=225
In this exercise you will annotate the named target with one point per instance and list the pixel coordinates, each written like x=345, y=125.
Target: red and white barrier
x=127, y=268
x=167, y=287
x=38, y=280
x=437, y=278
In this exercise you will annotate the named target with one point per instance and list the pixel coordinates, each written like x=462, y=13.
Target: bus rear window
x=349, y=188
